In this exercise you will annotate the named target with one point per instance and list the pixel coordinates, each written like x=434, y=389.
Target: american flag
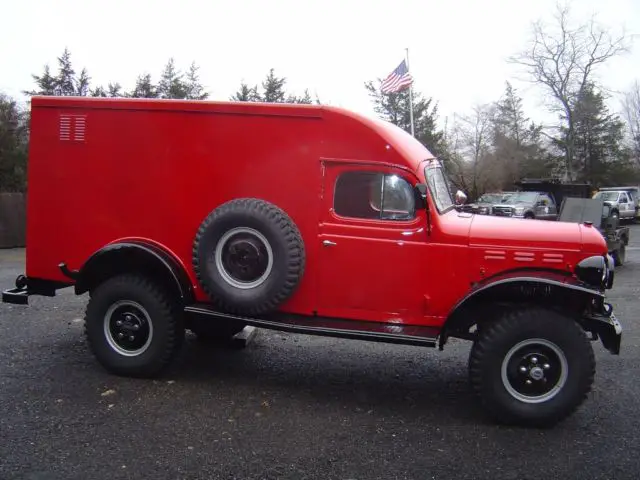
x=397, y=80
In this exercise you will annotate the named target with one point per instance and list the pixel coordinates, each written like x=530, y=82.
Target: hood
x=535, y=234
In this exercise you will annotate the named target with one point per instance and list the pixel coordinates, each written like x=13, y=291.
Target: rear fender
x=133, y=256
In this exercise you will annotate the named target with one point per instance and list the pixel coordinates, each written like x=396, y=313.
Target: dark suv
x=538, y=205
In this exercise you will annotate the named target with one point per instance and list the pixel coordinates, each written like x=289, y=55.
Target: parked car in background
x=539, y=205
x=485, y=202
x=624, y=201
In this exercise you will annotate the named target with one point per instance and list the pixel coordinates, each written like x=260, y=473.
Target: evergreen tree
x=65, y=80
x=14, y=135
x=82, y=83
x=46, y=83
x=65, y=83
x=304, y=99
x=273, y=88
x=193, y=88
x=144, y=88
x=99, y=91
x=395, y=108
x=517, y=141
x=246, y=94
x=600, y=155
x=171, y=84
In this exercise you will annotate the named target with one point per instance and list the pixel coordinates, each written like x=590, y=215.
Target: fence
x=13, y=218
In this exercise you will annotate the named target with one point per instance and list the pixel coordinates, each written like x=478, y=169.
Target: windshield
x=438, y=187
x=491, y=198
x=520, y=197
x=607, y=196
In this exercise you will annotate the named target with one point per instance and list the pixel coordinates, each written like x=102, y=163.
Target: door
x=627, y=209
x=372, y=245
x=546, y=208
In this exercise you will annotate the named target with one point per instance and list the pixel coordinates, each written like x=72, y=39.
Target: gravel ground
x=291, y=407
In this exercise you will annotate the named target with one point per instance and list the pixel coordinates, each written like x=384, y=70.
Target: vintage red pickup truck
x=212, y=216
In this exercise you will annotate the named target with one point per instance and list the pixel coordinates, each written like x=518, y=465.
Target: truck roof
x=410, y=148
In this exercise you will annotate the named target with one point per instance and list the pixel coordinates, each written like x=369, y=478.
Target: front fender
x=548, y=287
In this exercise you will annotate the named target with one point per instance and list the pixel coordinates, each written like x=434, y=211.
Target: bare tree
x=474, y=136
x=563, y=60
x=631, y=110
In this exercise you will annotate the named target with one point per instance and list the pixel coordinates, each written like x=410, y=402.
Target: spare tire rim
x=128, y=328
x=244, y=258
x=534, y=370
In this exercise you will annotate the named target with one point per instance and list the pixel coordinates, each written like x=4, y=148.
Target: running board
x=330, y=327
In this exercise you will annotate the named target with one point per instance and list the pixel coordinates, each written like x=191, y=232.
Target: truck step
x=329, y=327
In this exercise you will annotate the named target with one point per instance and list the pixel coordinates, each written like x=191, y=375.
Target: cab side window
x=545, y=200
x=624, y=198
x=375, y=196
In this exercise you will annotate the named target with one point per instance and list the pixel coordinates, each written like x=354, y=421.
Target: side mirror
x=421, y=195
x=461, y=198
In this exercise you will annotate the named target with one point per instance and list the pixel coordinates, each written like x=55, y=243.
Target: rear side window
x=375, y=196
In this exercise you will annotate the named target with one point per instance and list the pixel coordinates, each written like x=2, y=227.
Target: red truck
x=212, y=216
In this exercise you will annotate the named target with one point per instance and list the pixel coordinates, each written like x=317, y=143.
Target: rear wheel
x=532, y=367
x=133, y=327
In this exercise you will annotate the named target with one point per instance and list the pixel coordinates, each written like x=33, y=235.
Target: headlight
x=483, y=210
x=596, y=271
x=518, y=210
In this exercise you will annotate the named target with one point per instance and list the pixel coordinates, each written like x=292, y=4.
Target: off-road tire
x=164, y=315
x=492, y=346
x=287, y=252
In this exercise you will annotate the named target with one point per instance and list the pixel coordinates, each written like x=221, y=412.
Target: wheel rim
x=244, y=258
x=128, y=328
x=534, y=370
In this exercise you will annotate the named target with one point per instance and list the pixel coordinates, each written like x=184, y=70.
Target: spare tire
x=248, y=256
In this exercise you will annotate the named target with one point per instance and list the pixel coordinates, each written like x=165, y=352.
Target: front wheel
x=133, y=327
x=532, y=367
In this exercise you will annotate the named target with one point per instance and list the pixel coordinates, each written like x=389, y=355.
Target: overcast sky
x=457, y=48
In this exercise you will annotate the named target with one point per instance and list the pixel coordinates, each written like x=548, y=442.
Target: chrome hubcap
x=534, y=370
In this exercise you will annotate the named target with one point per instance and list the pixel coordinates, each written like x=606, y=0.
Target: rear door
x=372, y=244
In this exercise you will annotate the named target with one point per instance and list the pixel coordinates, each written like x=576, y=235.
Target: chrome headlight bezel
x=596, y=271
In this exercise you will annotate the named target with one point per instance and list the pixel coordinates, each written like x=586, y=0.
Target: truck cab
x=622, y=203
x=529, y=205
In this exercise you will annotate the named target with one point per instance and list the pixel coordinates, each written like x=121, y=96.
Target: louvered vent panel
x=72, y=128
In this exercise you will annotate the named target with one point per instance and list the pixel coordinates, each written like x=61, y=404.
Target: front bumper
x=605, y=326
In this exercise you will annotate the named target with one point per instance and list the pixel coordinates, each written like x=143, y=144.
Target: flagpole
x=410, y=97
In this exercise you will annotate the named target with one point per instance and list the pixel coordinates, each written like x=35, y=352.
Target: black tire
x=264, y=226
x=546, y=330
x=529, y=216
x=215, y=331
x=620, y=255
x=159, y=323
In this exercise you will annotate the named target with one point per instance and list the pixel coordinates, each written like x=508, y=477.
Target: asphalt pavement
x=292, y=407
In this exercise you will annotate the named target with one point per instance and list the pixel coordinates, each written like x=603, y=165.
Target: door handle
x=328, y=243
